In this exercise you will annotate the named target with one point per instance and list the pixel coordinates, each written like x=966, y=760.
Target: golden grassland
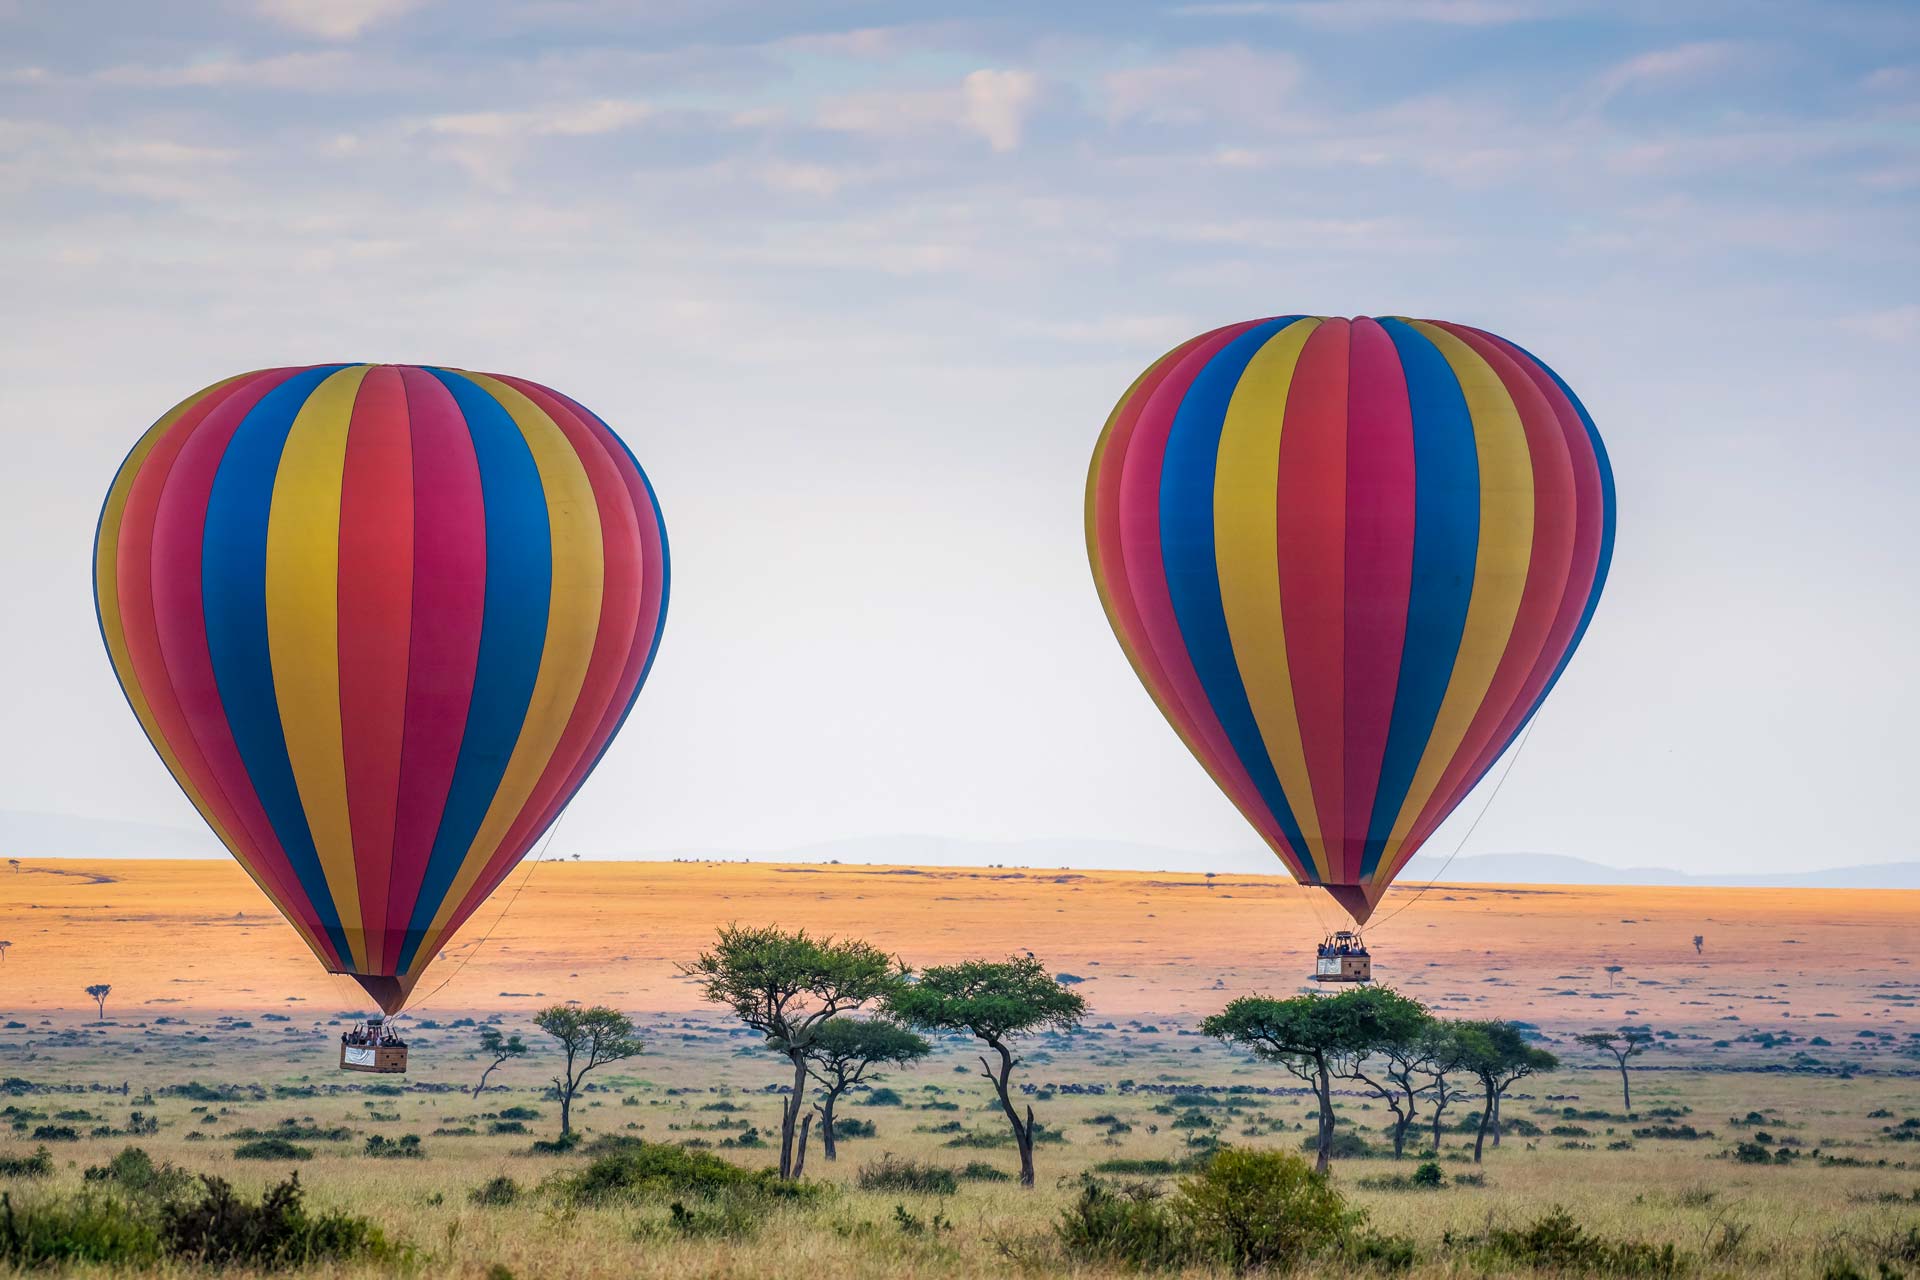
x=208, y=987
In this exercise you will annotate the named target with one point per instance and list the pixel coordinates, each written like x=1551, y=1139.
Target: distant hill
x=30, y=833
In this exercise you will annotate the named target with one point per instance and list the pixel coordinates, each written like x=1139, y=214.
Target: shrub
x=222, y=1229
x=853, y=1128
x=1127, y=1225
x=519, y=1113
x=507, y=1126
x=557, y=1147
x=1252, y=1209
x=1429, y=1175
x=407, y=1147
x=87, y=1229
x=495, y=1192
x=981, y=1171
x=1555, y=1242
x=37, y=1165
x=654, y=1168
x=1347, y=1145
x=881, y=1097
x=271, y=1149
x=134, y=1172
x=56, y=1133
x=889, y=1173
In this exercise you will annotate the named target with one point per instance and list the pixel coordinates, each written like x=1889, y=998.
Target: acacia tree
x=1627, y=1042
x=785, y=986
x=842, y=1052
x=1445, y=1061
x=499, y=1048
x=1315, y=1037
x=588, y=1038
x=3, y=949
x=1400, y=1045
x=995, y=1002
x=100, y=991
x=1497, y=1055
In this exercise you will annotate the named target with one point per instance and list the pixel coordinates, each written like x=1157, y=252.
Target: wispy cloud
x=993, y=104
x=1369, y=13
x=1231, y=84
x=1677, y=64
x=334, y=19
x=997, y=103
x=1896, y=326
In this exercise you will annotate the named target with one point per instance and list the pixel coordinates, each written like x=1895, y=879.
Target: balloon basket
x=1343, y=958
x=384, y=1059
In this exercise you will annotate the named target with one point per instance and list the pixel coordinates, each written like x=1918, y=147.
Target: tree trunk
x=1400, y=1123
x=1496, y=1118
x=1436, y=1130
x=790, y=1116
x=800, y=1148
x=566, y=1108
x=826, y=1125
x=1022, y=1134
x=1626, y=1089
x=1486, y=1122
x=1323, y=1156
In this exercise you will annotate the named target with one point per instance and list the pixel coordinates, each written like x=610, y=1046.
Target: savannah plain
x=1790, y=1028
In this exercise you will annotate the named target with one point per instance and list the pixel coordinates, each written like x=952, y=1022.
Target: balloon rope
x=475, y=949
x=1512, y=759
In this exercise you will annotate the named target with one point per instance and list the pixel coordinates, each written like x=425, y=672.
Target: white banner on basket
x=359, y=1057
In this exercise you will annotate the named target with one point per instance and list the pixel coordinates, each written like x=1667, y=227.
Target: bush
x=83, y=1230
x=1347, y=1145
x=981, y=1171
x=1555, y=1242
x=407, y=1147
x=56, y=1133
x=37, y=1165
x=1252, y=1209
x=853, y=1128
x=134, y=1172
x=541, y=1147
x=889, y=1173
x=1429, y=1175
x=271, y=1149
x=495, y=1192
x=1126, y=1225
x=881, y=1097
x=518, y=1113
x=647, y=1169
x=222, y=1229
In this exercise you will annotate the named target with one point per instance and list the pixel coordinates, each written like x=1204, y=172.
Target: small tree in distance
x=3, y=950
x=1627, y=1042
x=842, y=1052
x=588, y=1038
x=1699, y=942
x=1613, y=969
x=785, y=986
x=499, y=1048
x=995, y=1002
x=100, y=991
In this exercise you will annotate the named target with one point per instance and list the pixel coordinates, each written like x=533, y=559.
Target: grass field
x=215, y=1028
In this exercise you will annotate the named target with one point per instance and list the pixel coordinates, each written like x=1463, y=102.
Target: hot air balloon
x=1349, y=559
x=380, y=622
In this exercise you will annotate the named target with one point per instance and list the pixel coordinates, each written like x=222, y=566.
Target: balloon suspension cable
x=414, y=1006
x=1512, y=758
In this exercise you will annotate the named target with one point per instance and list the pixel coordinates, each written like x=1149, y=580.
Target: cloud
x=330, y=69
x=1678, y=63
x=567, y=120
x=1372, y=13
x=334, y=19
x=997, y=103
x=992, y=103
x=1230, y=82
x=1898, y=326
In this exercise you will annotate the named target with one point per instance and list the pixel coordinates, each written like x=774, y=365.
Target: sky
x=859, y=284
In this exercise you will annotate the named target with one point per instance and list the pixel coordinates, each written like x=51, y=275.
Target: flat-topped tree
x=1497, y=1055
x=588, y=1038
x=785, y=986
x=1316, y=1037
x=100, y=991
x=995, y=1002
x=1396, y=1059
x=3, y=949
x=845, y=1049
x=499, y=1048
x=1627, y=1042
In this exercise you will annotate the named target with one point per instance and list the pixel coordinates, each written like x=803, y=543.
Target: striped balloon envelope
x=380, y=621
x=1349, y=559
